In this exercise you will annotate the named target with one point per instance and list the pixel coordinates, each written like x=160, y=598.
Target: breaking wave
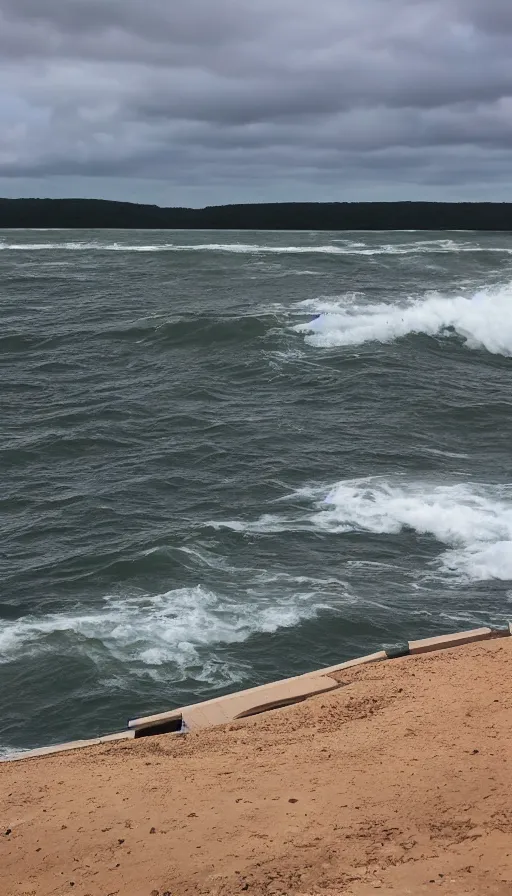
x=152, y=630
x=335, y=247
x=482, y=321
x=473, y=522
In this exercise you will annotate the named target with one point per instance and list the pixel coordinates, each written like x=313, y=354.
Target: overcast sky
x=196, y=102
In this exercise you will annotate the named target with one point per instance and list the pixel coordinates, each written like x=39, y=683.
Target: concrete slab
x=242, y=704
x=442, y=642
x=122, y=735
x=360, y=661
x=501, y=631
x=55, y=748
x=72, y=745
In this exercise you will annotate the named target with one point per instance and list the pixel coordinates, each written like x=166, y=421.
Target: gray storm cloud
x=401, y=97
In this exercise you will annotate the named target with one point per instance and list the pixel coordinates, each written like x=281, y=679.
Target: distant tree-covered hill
x=92, y=213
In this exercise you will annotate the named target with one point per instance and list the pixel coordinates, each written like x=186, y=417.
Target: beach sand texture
x=398, y=782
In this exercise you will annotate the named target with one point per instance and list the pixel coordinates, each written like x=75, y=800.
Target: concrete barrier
x=71, y=745
x=266, y=697
x=58, y=748
x=360, y=661
x=442, y=642
x=237, y=706
x=122, y=735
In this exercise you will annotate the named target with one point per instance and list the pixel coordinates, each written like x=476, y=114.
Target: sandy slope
x=399, y=782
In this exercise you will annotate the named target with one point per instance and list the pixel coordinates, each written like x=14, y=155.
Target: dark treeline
x=93, y=213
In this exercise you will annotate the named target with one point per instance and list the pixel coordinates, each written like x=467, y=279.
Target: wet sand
x=399, y=782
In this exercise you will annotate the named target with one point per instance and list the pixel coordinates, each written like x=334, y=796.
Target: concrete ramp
x=234, y=706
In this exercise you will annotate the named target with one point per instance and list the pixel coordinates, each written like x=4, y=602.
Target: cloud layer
x=256, y=99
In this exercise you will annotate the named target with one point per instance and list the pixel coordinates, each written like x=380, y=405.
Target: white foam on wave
x=473, y=522
x=152, y=630
x=236, y=248
x=40, y=247
x=335, y=247
x=438, y=452
x=7, y=753
x=483, y=320
x=268, y=524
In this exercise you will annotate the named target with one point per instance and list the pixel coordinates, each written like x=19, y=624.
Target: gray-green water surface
x=230, y=457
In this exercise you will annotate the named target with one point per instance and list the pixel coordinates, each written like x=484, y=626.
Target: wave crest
x=474, y=522
x=483, y=320
x=152, y=630
x=335, y=247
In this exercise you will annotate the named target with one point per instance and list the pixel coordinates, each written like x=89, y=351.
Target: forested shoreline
x=98, y=213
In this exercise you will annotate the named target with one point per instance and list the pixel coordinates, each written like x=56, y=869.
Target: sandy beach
x=399, y=782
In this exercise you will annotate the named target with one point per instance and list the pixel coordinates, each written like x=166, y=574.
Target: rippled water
x=231, y=457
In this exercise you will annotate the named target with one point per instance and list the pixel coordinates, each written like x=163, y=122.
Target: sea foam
x=335, y=247
x=482, y=320
x=472, y=522
x=152, y=630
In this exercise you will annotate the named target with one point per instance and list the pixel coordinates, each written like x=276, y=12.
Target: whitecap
x=482, y=320
x=152, y=630
x=333, y=248
x=473, y=522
